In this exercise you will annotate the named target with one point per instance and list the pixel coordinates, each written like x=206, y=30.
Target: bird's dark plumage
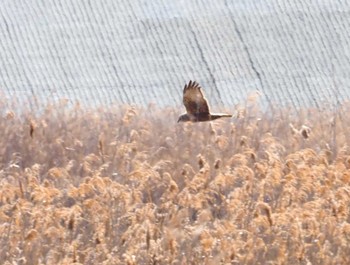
x=197, y=106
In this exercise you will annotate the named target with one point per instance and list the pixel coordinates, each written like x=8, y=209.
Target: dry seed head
x=54, y=233
x=3, y=217
x=238, y=160
x=78, y=143
x=212, y=129
x=173, y=246
x=57, y=173
x=305, y=131
x=206, y=240
x=243, y=141
x=10, y=115
x=169, y=142
x=217, y=164
x=293, y=129
x=205, y=216
x=32, y=234
x=129, y=114
x=71, y=222
x=241, y=112
x=101, y=147
x=249, y=152
x=70, y=165
x=134, y=136
x=265, y=209
x=201, y=161
x=222, y=142
x=32, y=126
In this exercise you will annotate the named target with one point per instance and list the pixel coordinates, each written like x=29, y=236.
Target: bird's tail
x=220, y=115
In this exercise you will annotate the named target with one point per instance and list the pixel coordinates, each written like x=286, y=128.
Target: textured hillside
x=294, y=52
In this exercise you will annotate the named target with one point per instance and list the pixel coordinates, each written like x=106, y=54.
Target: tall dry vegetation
x=125, y=186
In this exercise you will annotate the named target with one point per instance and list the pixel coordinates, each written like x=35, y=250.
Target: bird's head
x=183, y=118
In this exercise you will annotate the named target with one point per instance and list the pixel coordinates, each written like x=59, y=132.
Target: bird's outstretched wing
x=194, y=100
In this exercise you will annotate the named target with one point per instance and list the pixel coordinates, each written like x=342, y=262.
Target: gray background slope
x=140, y=52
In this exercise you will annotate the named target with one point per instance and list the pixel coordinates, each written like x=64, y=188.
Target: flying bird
x=197, y=106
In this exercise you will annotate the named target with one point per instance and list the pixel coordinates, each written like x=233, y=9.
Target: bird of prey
x=197, y=106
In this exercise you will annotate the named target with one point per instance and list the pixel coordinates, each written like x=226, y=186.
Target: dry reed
x=125, y=186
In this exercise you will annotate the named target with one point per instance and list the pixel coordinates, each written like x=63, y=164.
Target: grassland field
x=129, y=185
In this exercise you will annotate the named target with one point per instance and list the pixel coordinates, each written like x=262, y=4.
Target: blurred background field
x=296, y=53
x=128, y=185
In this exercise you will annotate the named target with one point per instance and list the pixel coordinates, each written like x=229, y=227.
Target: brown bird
x=197, y=106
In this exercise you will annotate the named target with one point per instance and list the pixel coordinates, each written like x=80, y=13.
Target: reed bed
x=127, y=185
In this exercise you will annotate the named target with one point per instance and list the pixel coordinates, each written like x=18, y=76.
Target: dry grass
x=122, y=186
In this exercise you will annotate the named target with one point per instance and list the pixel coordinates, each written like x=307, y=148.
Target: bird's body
x=197, y=109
